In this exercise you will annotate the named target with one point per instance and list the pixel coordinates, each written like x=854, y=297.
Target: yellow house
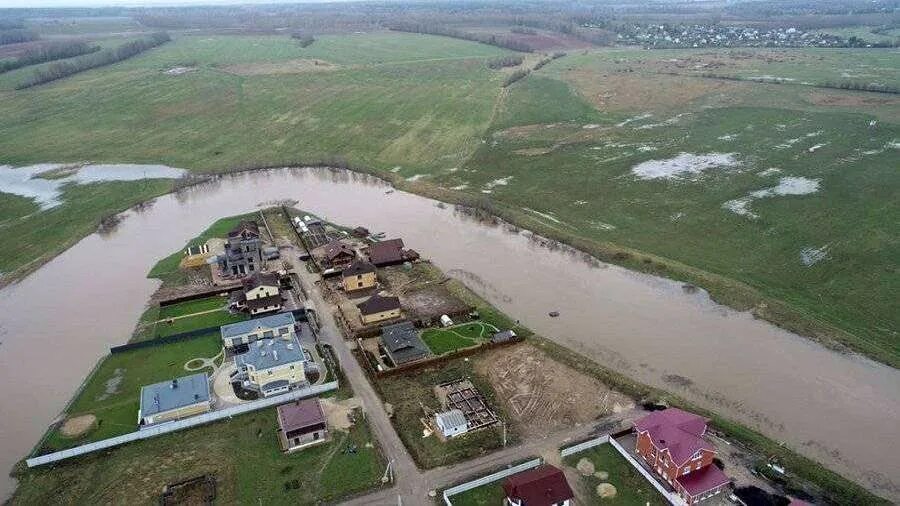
x=358, y=276
x=378, y=308
x=272, y=366
x=261, y=293
x=174, y=399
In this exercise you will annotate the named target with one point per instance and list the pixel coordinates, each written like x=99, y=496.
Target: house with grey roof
x=245, y=332
x=243, y=251
x=272, y=366
x=174, y=399
x=402, y=344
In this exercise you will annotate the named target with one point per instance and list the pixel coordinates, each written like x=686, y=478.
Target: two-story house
x=544, y=485
x=243, y=251
x=272, y=366
x=261, y=293
x=671, y=443
x=359, y=275
x=276, y=325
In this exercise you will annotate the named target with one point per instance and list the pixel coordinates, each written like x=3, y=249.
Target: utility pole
x=503, y=424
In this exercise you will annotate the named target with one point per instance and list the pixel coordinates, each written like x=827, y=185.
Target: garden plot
x=542, y=395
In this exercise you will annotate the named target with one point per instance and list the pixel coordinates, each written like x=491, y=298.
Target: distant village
x=660, y=36
x=328, y=291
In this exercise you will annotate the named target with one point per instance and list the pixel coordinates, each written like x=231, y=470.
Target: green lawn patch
x=112, y=393
x=201, y=321
x=242, y=453
x=631, y=488
x=445, y=340
x=486, y=495
x=192, y=306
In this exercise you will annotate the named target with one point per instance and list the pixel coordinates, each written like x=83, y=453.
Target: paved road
x=413, y=485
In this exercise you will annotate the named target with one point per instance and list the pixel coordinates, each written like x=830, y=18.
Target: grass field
x=242, y=453
x=486, y=495
x=445, y=340
x=112, y=393
x=631, y=488
x=820, y=263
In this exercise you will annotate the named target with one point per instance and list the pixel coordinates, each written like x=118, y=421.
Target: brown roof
x=271, y=300
x=246, y=225
x=377, y=304
x=544, y=485
x=358, y=267
x=386, y=252
x=258, y=279
x=335, y=248
x=300, y=414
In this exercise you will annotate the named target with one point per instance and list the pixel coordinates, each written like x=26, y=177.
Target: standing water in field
x=839, y=409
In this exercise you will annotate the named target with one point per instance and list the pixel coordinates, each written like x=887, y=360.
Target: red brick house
x=544, y=485
x=671, y=443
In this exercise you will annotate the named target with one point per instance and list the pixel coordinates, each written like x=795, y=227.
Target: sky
x=5, y=4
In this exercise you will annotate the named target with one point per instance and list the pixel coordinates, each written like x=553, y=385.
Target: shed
x=451, y=423
x=503, y=336
x=174, y=399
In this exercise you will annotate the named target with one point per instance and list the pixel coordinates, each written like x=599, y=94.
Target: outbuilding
x=174, y=399
x=451, y=423
x=301, y=424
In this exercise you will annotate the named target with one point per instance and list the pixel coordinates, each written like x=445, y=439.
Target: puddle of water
x=27, y=181
x=647, y=327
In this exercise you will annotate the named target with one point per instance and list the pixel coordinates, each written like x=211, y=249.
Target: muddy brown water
x=843, y=410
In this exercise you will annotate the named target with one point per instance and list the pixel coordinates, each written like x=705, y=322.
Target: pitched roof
x=173, y=394
x=402, y=342
x=386, y=252
x=300, y=414
x=265, y=323
x=542, y=486
x=258, y=279
x=378, y=303
x=336, y=247
x=358, y=267
x=245, y=226
x=271, y=300
x=268, y=353
x=703, y=480
x=676, y=430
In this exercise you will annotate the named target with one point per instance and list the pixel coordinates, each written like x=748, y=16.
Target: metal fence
x=484, y=480
x=673, y=498
x=168, y=427
x=580, y=447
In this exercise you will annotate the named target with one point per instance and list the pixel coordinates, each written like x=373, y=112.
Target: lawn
x=193, y=306
x=445, y=340
x=242, y=453
x=407, y=394
x=631, y=488
x=202, y=321
x=112, y=393
x=486, y=495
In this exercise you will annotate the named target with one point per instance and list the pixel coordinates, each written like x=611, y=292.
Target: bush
x=16, y=35
x=303, y=40
x=490, y=39
x=516, y=76
x=505, y=61
x=55, y=51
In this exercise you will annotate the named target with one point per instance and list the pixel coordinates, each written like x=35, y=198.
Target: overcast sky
x=140, y=3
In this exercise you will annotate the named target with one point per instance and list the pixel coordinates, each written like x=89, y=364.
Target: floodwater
x=842, y=410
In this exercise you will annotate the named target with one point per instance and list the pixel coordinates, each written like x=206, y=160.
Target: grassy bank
x=243, y=454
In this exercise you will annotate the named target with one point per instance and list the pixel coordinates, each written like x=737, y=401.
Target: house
x=379, y=308
x=242, y=254
x=544, y=485
x=301, y=424
x=671, y=443
x=174, y=399
x=451, y=423
x=389, y=252
x=360, y=232
x=261, y=293
x=338, y=254
x=402, y=344
x=359, y=275
x=276, y=325
x=272, y=366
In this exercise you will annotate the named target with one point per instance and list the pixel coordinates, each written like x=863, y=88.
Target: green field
x=112, y=393
x=632, y=489
x=445, y=340
x=553, y=152
x=485, y=495
x=242, y=453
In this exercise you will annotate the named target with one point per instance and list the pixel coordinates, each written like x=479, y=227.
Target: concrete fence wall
x=580, y=447
x=484, y=480
x=168, y=427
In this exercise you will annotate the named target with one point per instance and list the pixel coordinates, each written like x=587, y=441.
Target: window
x=268, y=334
x=359, y=285
x=282, y=331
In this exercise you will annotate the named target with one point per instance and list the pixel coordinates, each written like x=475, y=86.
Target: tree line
x=504, y=61
x=63, y=69
x=50, y=52
x=839, y=85
x=485, y=38
x=16, y=35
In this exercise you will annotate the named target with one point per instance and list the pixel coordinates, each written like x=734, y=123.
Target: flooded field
x=835, y=408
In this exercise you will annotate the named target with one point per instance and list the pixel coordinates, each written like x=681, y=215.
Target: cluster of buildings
x=690, y=36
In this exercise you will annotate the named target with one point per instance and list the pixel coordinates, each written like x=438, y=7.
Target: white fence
x=484, y=480
x=673, y=498
x=580, y=447
x=167, y=427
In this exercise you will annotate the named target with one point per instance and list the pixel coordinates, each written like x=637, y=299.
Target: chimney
x=175, y=383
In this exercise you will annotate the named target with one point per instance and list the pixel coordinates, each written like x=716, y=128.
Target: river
x=843, y=410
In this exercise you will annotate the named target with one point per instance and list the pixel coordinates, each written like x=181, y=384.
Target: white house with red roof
x=671, y=443
x=544, y=485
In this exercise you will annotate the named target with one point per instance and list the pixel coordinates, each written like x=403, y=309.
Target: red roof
x=678, y=431
x=544, y=485
x=300, y=414
x=386, y=252
x=704, y=480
